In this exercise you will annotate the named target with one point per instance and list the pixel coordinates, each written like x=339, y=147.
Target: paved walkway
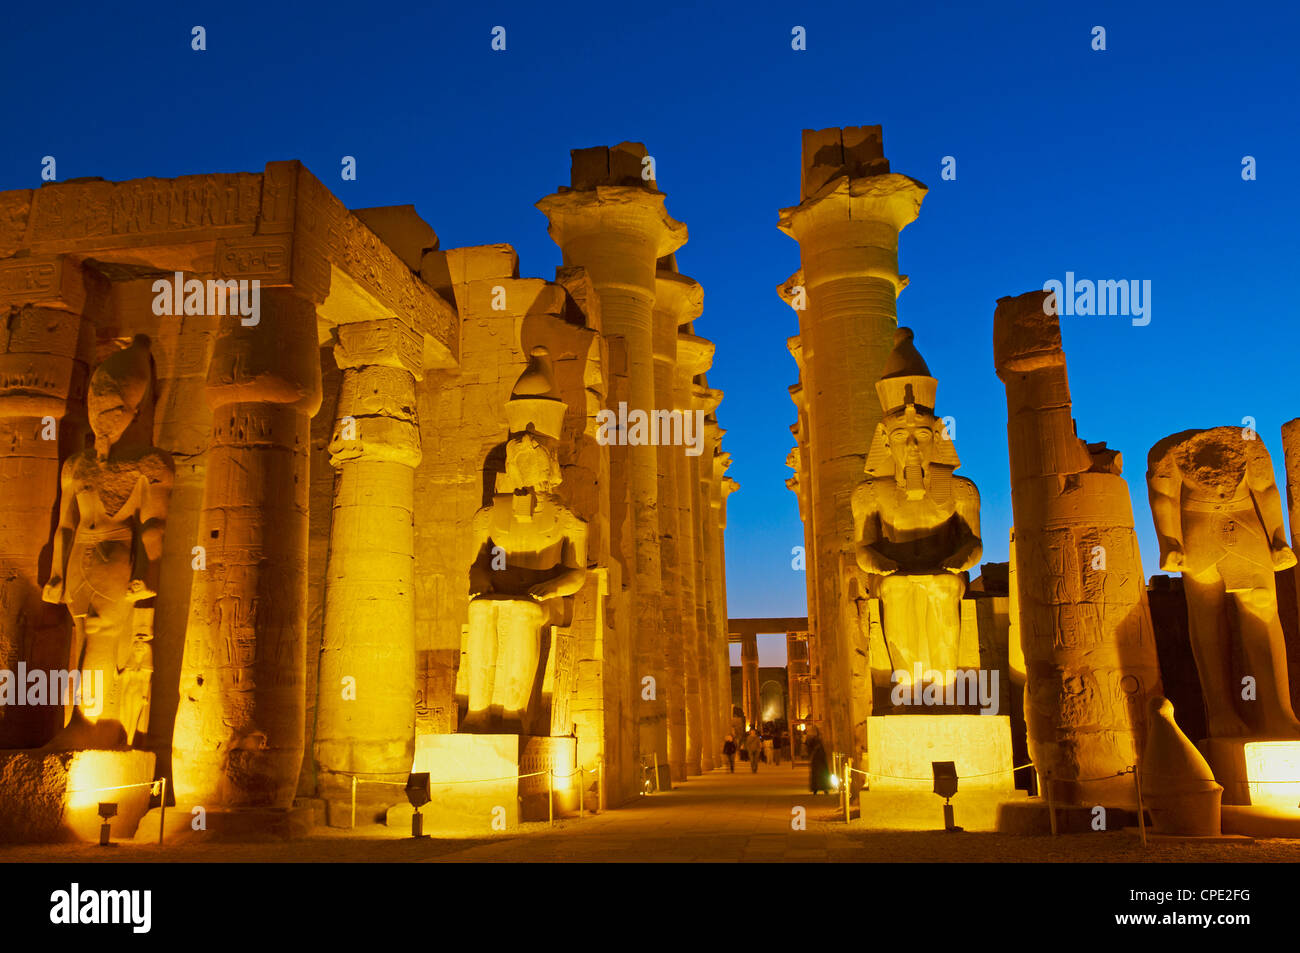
x=719, y=817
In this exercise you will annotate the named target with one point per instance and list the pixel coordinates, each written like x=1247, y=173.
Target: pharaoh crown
x=534, y=405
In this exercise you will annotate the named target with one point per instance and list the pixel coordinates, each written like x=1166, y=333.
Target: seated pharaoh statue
x=915, y=523
x=529, y=554
x=106, y=552
x=1218, y=519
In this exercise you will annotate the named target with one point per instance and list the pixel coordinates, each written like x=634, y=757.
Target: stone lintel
x=45, y=281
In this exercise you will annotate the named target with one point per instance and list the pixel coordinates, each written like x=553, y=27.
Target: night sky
x=1116, y=164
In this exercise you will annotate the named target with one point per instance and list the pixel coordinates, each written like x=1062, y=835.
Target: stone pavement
x=718, y=817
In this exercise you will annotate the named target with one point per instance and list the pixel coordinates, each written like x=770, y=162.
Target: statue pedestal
x=55, y=795
x=902, y=747
x=1258, y=772
x=476, y=783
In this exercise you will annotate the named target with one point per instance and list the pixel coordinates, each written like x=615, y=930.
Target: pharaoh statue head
x=117, y=393
x=909, y=439
x=535, y=415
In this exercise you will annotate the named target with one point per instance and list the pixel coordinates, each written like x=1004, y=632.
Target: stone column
x=1291, y=463
x=693, y=357
x=1089, y=650
x=614, y=224
x=365, y=715
x=42, y=373
x=847, y=224
x=749, y=679
x=239, y=732
x=678, y=300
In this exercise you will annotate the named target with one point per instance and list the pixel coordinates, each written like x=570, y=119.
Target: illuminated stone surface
x=1218, y=518
x=847, y=224
x=106, y=551
x=1178, y=787
x=915, y=522
x=1085, y=630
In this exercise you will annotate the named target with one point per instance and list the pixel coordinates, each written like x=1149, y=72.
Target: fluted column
x=678, y=300
x=847, y=226
x=239, y=732
x=694, y=354
x=618, y=232
x=366, y=708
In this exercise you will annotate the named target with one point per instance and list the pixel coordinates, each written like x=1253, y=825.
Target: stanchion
x=162, y=812
x=848, y=781
x=1051, y=807
x=582, y=789
x=550, y=796
x=1142, y=821
x=354, y=802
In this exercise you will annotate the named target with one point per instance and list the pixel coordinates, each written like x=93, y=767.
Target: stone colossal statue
x=529, y=552
x=106, y=551
x=1218, y=518
x=916, y=524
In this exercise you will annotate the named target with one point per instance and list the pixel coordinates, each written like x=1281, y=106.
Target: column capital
x=892, y=199
x=694, y=354
x=679, y=296
x=386, y=342
x=635, y=211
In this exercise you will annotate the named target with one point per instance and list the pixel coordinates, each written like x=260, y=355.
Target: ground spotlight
x=107, y=811
x=945, y=785
x=419, y=794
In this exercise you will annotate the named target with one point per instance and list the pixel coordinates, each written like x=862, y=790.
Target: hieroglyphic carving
x=78, y=215
x=326, y=231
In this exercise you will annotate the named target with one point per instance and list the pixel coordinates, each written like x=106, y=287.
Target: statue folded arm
x=971, y=547
x=573, y=563
x=1268, y=504
x=1164, y=489
x=866, y=530
x=63, y=535
x=480, y=571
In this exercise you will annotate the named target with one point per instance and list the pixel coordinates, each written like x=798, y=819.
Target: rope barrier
x=120, y=787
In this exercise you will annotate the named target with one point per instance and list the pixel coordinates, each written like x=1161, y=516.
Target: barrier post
x=848, y=780
x=1051, y=806
x=1142, y=821
x=354, y=802
x=162, y=812
x=582, y=789
x=550, y=796
x=600, y=766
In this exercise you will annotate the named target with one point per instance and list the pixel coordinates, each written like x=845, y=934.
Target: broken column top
x=608, y=165
x=855, y=151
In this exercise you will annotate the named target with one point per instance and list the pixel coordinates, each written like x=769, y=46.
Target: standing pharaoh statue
x=1218, y=517
x=916, y=524
x=529, y=553
x=106, y=551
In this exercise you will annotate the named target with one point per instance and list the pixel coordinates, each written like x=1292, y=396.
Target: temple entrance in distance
x=778, y=701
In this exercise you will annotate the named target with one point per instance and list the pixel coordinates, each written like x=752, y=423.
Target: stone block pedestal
x=476, y=780
x=55, y=796
x=1256, y=772
x=902, y=747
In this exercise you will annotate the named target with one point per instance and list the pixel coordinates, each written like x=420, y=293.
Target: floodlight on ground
x=107, y=811
x=419, y=793
x=945, y=785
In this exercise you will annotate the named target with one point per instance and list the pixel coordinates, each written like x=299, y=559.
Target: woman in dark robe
x=819, y=771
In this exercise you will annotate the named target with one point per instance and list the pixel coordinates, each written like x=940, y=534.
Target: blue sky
x=1117, y=164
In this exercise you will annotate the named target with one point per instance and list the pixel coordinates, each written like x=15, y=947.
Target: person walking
x=729, y=749
x=753, y=744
